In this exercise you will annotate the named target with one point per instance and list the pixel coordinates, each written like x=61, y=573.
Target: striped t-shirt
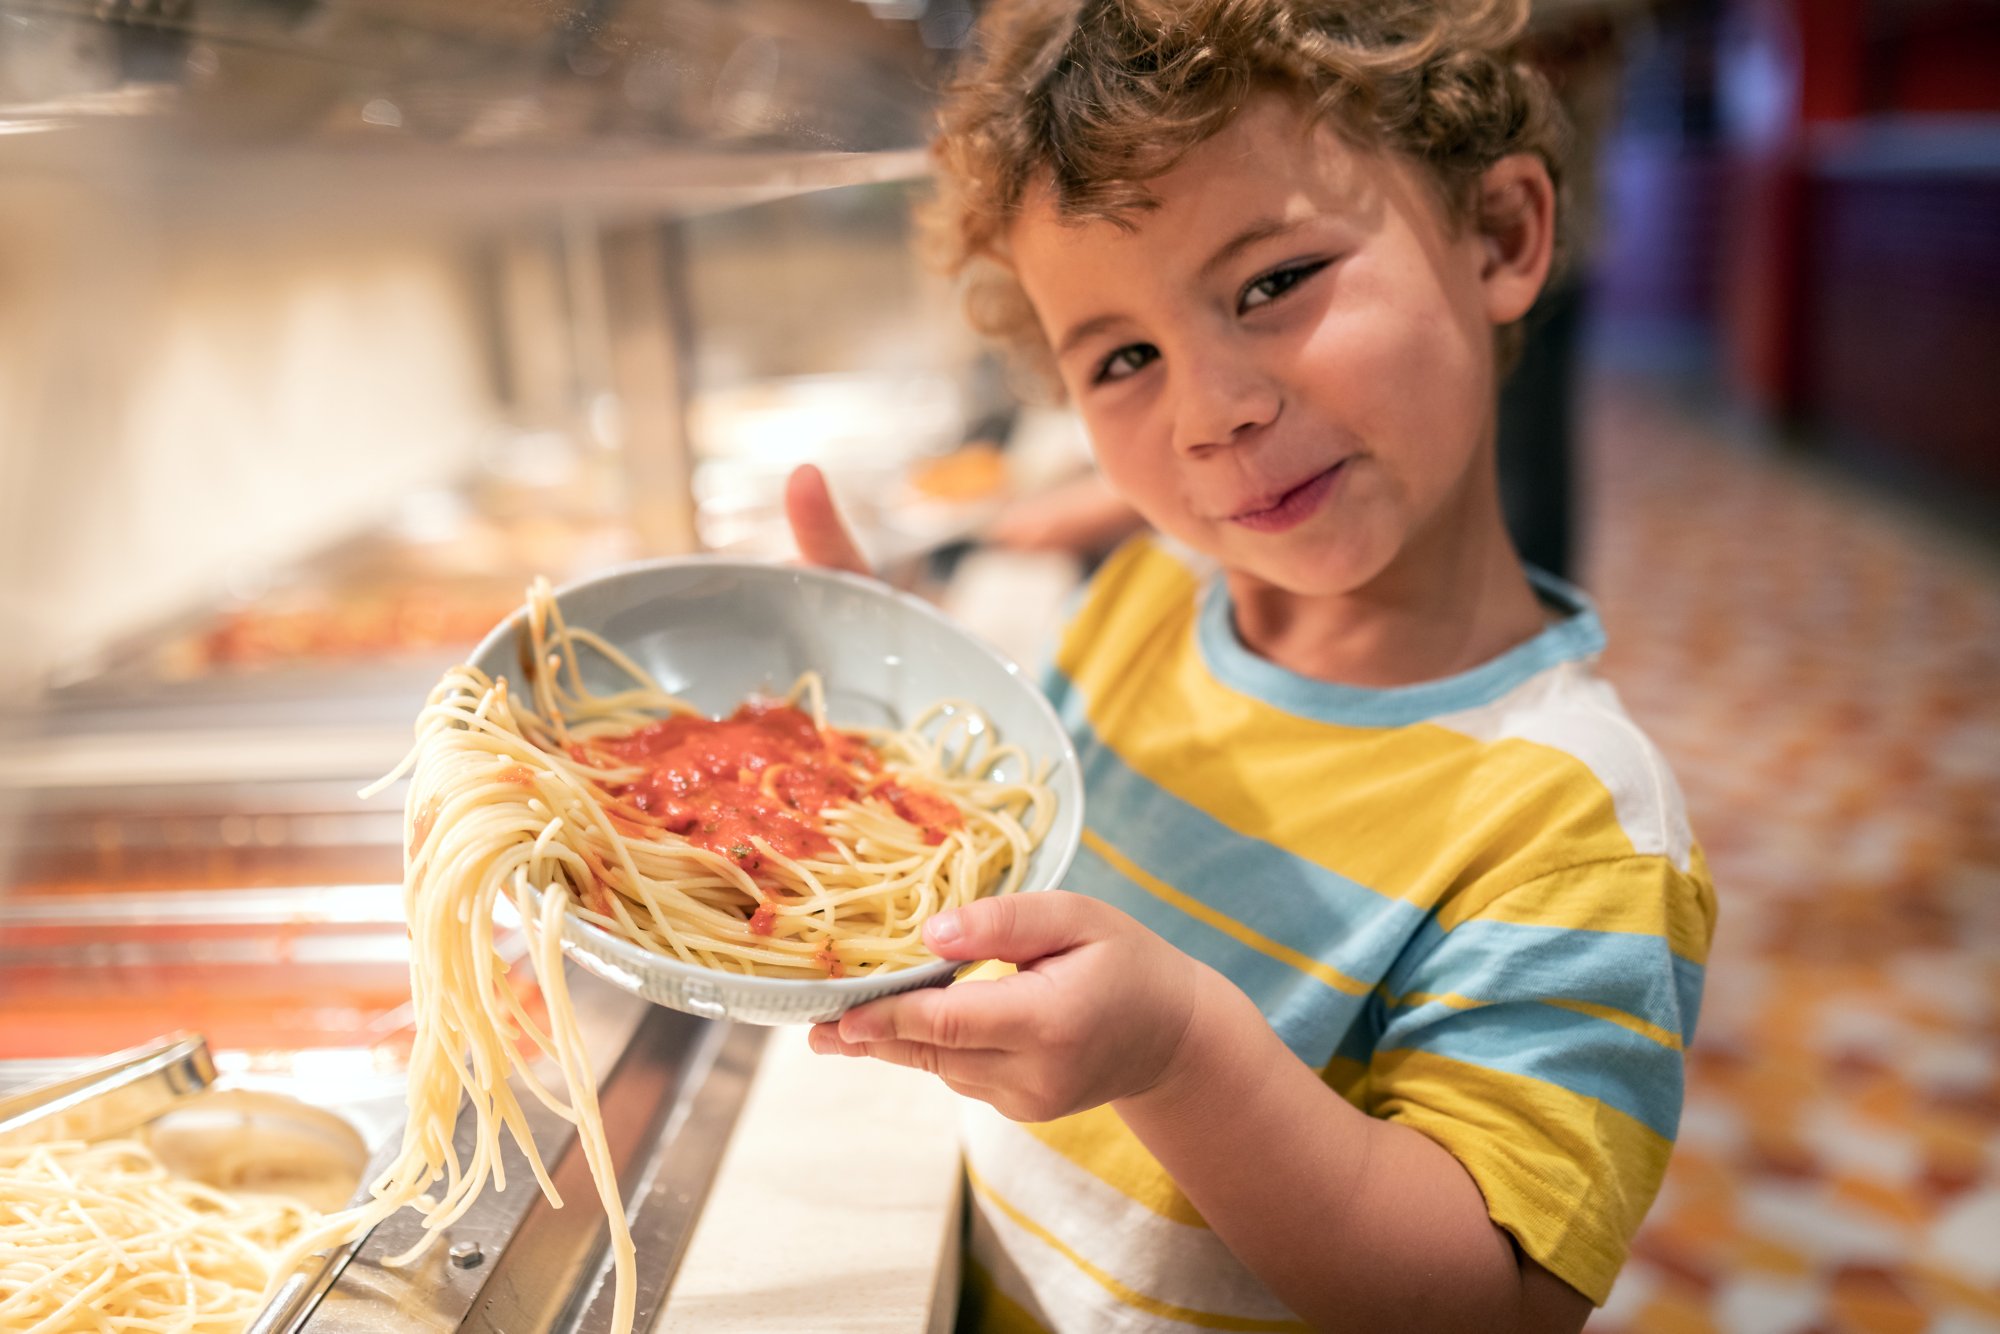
x=1472, y=904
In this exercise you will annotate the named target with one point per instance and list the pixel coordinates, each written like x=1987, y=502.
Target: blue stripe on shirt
x=1487, y=960
x=1586, y=1055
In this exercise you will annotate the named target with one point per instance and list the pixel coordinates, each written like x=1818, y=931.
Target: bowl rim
x=630, y=955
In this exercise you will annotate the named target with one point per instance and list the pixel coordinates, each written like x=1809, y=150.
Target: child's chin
x=1310, y=574
x=1303, y=563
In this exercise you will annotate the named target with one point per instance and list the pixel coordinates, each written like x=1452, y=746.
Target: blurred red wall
x=1859, y=264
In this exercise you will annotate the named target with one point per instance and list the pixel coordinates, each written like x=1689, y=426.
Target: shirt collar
x=1575, y=636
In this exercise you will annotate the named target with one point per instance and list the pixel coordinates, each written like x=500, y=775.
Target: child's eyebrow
x=1263, y=229
x=1094, y=325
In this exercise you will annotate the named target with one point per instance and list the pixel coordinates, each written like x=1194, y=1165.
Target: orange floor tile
x=1822, y=666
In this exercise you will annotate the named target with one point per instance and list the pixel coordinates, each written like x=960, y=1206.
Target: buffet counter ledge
x=835, y=1207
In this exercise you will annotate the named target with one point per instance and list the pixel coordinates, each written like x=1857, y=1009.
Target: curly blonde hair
x=1094, y=98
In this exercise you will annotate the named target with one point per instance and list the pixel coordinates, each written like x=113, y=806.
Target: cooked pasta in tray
x=104, y=1236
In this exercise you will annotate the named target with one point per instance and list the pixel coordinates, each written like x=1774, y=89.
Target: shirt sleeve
x=1542, y=1042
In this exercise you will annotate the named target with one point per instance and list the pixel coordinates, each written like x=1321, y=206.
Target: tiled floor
x=1823, y=669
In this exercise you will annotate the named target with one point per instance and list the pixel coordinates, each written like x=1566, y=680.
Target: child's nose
x=1222, y=406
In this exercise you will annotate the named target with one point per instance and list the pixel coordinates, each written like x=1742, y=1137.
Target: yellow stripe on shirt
x=1100, y=1143
x=1549, y=1180
x=1570, y=898
x=1127, y=1295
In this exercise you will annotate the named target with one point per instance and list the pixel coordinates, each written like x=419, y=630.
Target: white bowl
x=715, y=631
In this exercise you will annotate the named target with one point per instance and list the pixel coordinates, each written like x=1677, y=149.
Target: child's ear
x=1517, y=224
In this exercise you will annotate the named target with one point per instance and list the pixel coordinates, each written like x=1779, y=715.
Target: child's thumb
x=822, y=537
x=1018, y=928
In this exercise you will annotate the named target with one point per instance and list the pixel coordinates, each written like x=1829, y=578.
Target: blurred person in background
x=1577, y=45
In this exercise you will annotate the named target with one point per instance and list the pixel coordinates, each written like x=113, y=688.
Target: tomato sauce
x=927, y=810
x=765, y=772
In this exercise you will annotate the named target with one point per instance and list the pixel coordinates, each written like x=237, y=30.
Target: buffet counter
x=835, y=1206
x=767, y=1189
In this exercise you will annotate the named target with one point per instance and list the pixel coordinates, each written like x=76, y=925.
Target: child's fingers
x=977, y=1074
x=825, y=1040
x=989, y=1015
x=1018, y=928
x=816, y=524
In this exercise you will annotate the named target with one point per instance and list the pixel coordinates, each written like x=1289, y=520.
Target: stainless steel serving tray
x=514, y=1263
x=168, y=1093
x=670, y=1087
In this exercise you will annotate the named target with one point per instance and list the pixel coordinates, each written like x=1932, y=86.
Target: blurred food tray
x=256, y=970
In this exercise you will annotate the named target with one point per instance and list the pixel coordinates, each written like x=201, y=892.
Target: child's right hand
x=817, y=526
x=1097, y=1012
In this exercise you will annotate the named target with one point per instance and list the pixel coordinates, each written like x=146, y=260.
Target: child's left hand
x=1096, y=1013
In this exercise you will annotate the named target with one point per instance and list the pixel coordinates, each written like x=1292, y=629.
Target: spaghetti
x=769, y=842
x=103, y=1236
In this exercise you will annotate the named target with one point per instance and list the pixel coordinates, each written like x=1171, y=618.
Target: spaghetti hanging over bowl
x=770, y=843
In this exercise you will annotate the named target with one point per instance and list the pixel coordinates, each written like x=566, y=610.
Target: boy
x=1365, y=1005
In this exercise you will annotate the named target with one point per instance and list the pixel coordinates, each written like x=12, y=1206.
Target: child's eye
x=1274, y=285
x=1125, y=362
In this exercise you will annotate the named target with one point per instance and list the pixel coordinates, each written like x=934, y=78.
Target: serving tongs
x=111, y=1097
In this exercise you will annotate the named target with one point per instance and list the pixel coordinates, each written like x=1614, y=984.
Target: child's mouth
x=1295, y=506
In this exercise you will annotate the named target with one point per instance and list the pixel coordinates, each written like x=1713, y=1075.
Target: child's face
x=1288, y=364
